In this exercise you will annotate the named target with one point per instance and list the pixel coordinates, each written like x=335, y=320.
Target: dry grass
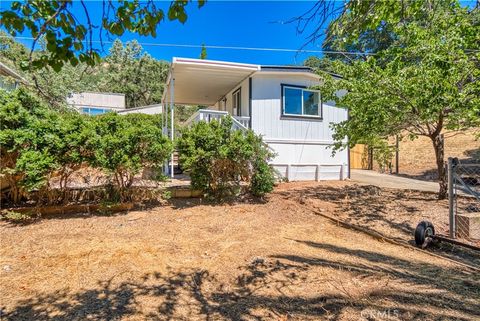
x=417, y=158
x=391, y=212
x=272, y=260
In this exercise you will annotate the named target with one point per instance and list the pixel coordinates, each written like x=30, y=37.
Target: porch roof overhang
x=5, y=70
x=204, y=82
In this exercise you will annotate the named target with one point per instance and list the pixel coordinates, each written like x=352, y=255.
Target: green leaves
x=177, y=11
x=36, y=165
x=37, y=142
x=218, y=159
x=203, y=52
x=423, y=82
x=122, y=145
x=27, y=139
x=68, y=31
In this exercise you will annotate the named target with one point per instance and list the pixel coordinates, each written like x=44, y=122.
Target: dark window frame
x=311, y=117
x=239, y=107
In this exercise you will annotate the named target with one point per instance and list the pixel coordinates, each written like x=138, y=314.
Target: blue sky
x=227, y=23
x=236, y=23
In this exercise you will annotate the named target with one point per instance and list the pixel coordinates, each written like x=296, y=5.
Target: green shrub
x=16, y=217
x=123, y=144
x=28, y=142
x=219, y=159
x=383, y=154
x=73, y=151
x=263, y=179
x=38, y=142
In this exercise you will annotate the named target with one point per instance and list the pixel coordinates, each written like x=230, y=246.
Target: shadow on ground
x=265, y=289
x=174, y=203
x=391, y=212
x=430, y=175
x=182, y=203
x=365, y=204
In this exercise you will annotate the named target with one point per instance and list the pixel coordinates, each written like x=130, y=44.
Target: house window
x=7, y=84
x=299, y=101
x=94, y=111
x=237, y=102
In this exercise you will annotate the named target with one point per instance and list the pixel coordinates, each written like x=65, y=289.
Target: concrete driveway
x=391, y=181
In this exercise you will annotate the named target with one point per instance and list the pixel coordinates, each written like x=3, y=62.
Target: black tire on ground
x=424, y=233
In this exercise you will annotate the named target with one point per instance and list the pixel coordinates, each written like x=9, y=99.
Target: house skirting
x=298, y=160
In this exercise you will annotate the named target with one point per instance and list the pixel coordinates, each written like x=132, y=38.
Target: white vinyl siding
x=227, y=105
x=303, y=144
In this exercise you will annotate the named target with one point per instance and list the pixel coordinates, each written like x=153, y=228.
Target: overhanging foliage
x=423, y=83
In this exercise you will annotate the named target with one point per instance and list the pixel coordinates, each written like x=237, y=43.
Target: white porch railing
x=244, y=120
x=207, y=115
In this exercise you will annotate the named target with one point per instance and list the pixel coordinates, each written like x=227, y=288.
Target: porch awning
x=204, y=82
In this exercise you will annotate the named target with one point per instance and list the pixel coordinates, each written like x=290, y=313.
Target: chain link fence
x=464, y=201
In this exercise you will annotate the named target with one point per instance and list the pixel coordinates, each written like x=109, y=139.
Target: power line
x=153, y=44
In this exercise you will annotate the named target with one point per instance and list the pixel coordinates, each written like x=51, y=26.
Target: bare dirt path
x=391, y=181
x=272, y=260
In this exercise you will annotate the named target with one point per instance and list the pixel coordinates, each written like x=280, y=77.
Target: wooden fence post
x=451, y=203
x=397, y=156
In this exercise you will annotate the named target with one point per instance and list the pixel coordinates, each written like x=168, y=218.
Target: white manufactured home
x=274, y=101
x=96, y=103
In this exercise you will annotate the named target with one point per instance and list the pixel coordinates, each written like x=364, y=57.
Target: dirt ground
x=255, y=260
x=417, y=159
x=393, y=213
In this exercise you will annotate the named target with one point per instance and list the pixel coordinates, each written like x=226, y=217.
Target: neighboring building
x=275, y=102
x=149, y=110
x=93, y=103
x=9, y=79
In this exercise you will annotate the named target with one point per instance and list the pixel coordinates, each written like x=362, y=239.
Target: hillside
x=417, y=158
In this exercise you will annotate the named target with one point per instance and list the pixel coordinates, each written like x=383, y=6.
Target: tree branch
x=43, y=28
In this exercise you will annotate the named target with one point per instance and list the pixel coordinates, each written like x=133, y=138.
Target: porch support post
x=165, y=107
x=172, y=129
x=161, y=123
x=163, y=115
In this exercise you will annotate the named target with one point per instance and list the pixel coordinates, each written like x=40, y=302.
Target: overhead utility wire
x=223, y=47
x=238, y=48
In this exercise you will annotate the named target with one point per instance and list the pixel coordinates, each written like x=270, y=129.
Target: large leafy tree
x=126, y=69
x=424, y=83
x=51, y=85
x=363, y=25
x=69, y=33
x=129, y=70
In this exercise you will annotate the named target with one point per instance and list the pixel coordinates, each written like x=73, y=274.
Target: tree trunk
x=438, y=146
